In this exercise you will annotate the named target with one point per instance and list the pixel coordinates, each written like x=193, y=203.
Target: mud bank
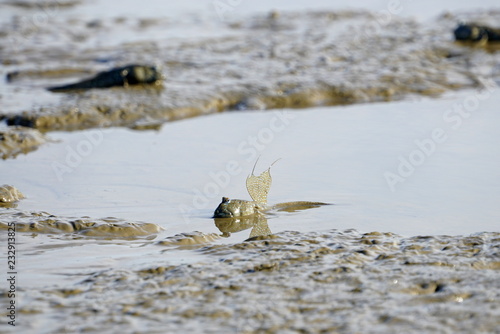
x=15, y=140
x=331, y=282
x=177, y=273
x=277, y=60
x=9, y=195
x=43, y=222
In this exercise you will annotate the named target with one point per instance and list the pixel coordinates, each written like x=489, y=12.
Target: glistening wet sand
x=332, y=281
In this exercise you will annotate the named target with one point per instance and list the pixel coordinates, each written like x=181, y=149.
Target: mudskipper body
x=244, y=214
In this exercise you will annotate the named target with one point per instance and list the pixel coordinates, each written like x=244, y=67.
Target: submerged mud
x=15, y=140
x=333, y=281
x=189, y=239
x=280, y=60
x=43, y=222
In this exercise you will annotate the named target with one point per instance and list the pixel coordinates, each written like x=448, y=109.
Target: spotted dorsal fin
x=258, y=186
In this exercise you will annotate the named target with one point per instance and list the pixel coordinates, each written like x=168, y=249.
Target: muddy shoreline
x=311, y=59
x=331, y=281
x=156, y=262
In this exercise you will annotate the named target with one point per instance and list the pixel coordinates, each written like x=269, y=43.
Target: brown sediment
x=312, y=59
x=9, y=194
x=125, y=76
x=42, y=222
x=189, y=239
x=15, y=140
x=331, y=281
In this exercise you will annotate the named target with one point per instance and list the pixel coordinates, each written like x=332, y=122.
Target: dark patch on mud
x=476, y=33
x=117, y=77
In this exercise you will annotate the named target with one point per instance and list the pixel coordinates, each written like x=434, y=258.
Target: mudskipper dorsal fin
x=258, y=186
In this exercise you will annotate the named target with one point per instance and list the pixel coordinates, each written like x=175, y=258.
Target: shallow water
x=117, y=226
x=336, y=155
x=140, y=176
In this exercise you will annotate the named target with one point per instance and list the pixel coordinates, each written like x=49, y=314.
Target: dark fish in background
x=121, y=77
x=476, y=33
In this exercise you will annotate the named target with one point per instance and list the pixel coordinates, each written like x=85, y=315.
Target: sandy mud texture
x=9, y=195
x=278, y=60
x=320, y=282
x=15, y=140
x=43, y=222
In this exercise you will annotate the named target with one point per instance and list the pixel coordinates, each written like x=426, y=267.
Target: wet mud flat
x=15, y=140
x=330, y=281
x=318, y=282
x=43, y=222
x=108, y=274
x=266, y=61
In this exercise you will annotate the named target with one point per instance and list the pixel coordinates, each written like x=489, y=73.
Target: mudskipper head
x=258, y=187
x=223, y=211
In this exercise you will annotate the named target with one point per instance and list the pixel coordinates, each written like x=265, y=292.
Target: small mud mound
x=9, y=194
x=19, y=139
x=42, y=222
x=185, y=240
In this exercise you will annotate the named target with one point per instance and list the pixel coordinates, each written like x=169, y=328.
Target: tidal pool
x=413, y=167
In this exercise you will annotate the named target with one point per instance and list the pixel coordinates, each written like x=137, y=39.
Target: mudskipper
x=233, y=215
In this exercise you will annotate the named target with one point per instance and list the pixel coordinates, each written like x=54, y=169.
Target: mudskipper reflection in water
x=258, y=223
x=234, y=215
